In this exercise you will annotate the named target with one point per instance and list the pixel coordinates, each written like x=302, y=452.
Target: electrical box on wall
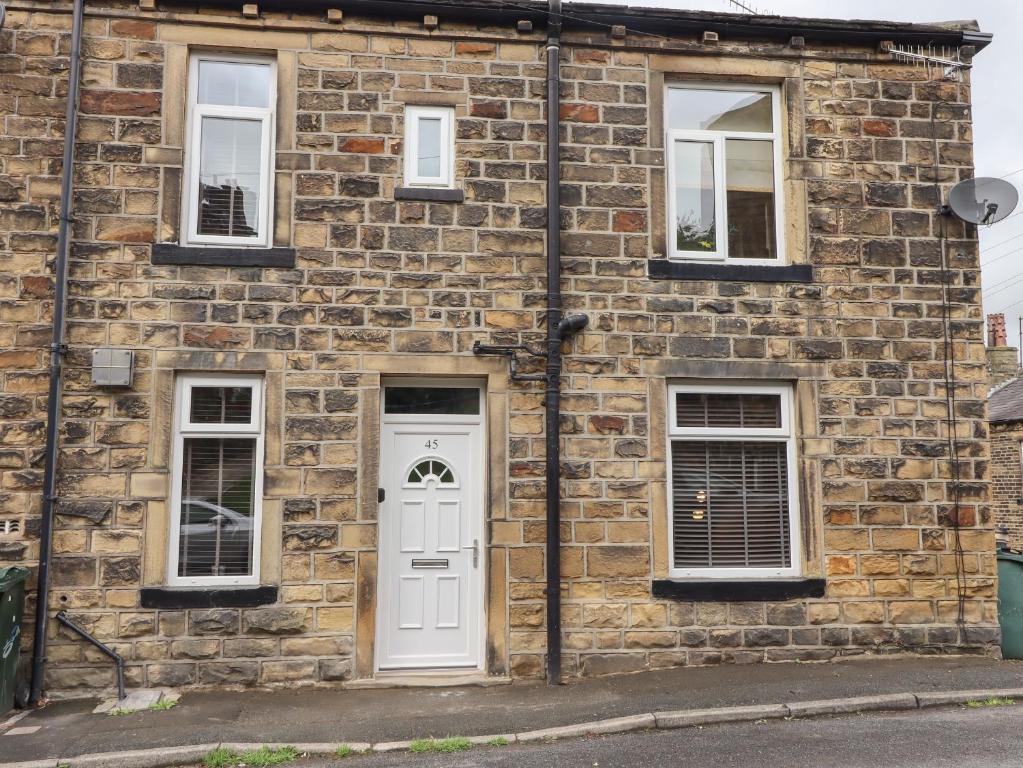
x=112, y=367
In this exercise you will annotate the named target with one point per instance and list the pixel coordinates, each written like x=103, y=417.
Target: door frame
x=482, y=499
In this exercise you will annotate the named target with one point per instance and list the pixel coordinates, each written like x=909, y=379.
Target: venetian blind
x=730, y=504
x=217, y=506
x=731, y=496
x=727, y=409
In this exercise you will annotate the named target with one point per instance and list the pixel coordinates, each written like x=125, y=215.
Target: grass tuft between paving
x=219, y=758
x=345, y=750
x=451, y=744
x=994, y=701
x=222, y=757
x=163, y=704
x=498, y=741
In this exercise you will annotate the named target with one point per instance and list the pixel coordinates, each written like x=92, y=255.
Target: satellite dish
x=983, y=201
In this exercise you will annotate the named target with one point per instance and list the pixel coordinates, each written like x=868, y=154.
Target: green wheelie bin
x=12, y=606
x=1010, y=603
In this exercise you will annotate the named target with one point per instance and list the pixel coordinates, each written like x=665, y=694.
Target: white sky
x=998, y=110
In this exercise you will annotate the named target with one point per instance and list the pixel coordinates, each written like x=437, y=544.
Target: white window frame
x=783, y=434
x=446, y=115
x=184, y=427
x=717, y=140
x=196, y=112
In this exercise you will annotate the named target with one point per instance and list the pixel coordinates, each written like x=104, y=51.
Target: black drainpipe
x=552, y=398
x=57, y=349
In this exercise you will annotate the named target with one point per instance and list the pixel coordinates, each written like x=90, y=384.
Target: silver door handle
x=475, y=547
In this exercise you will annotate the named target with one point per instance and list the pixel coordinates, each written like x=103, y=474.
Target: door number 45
x=432, y=445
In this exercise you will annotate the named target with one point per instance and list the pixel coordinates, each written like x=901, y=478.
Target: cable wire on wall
x=949, y=366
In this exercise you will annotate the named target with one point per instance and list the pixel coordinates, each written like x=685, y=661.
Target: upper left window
x=228, y=190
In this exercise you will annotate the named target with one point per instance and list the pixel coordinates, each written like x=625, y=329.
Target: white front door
x=430, y=601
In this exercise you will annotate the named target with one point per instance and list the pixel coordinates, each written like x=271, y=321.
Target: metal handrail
x=62, y=617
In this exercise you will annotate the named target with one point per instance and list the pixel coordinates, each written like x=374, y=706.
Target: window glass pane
x=234, y=84
x=229, y=177
x=749, y=191
x=217, y=507
x=221, y=405
x=434, y=468
x=694, y=196
x=730, y=505
x=707, y=110
x=726, y=409
x=428, y=162
x=458, y=401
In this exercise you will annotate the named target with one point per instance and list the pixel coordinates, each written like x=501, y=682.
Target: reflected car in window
x=215, y=540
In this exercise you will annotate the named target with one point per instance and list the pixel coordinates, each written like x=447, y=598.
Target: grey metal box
x=112, y=367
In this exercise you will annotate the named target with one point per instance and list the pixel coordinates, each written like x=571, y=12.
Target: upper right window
x=724, y=185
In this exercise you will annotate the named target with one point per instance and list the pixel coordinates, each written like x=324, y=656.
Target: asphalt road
x=940, y=738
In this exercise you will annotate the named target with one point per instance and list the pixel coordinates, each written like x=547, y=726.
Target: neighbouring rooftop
x=1006, y=402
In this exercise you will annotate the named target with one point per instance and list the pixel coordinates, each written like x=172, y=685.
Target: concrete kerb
x=892, y=701
x=174, y=757
x=612, y=725
x=949, y=698
x=690, y=718
x=167, y=757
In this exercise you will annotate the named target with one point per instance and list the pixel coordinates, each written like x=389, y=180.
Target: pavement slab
x=68, y=729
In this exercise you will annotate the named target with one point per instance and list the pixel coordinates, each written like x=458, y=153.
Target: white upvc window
x=429, y=146
x=217, y=481
x=724, y=173
x=732, y=487
x=228, y=187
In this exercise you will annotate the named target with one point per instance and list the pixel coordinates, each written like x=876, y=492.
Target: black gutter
x=657, y=21
x=57, y=350
x=552, y=395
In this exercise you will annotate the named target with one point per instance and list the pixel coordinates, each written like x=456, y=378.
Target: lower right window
x=732, y=484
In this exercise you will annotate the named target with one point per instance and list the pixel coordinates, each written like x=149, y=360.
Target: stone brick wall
x=1002, y=364
x=1007, y=481
x=411, y=281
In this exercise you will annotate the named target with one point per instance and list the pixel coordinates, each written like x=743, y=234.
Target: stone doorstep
x=136, y=700
x=170, y=757
x=420, y=680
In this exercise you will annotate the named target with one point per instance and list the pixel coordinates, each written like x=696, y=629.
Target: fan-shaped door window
x=425, y=470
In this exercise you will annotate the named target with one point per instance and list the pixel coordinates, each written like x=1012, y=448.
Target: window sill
x=207, y=597
x=216, y=256
x=732, y=590
x=662, y=269
x=429, y=194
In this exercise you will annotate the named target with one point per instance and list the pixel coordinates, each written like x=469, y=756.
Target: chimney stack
x=996, y=330
x=1003, y=362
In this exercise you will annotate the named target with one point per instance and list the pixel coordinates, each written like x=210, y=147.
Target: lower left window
x=217, y=487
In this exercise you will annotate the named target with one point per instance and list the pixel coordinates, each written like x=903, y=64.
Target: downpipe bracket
x=568, y=327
